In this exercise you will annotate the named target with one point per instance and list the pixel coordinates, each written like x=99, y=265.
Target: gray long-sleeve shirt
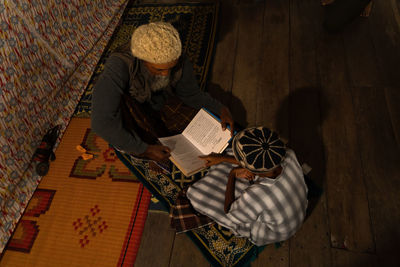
x=107, y=93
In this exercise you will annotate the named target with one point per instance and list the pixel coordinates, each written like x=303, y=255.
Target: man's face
x=158, y=75
x=160, y=69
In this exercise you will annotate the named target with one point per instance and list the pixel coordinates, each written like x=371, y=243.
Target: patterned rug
x=197, y=26
x=85, y=212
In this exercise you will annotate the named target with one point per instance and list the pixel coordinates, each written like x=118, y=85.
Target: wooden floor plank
x=225, y=49
x=343, y=258
x=348, y=212
x=186, y=253
x=381, y=169
x=310, y=245
x=305, y=111
x=392, y=101
x=361, y=55
x=385, y=31
x=273, y=82
x=221, y=75
x=347, y=197
x=273, y=256
x=157, y=240
x=248, y=60
x=305, y=21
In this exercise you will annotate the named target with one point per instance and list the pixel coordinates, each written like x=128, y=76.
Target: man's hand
x=226, y=118
x=157, y=152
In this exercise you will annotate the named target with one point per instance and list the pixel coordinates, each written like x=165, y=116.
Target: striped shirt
x=268, y=211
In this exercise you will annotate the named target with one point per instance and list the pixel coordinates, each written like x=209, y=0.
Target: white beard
x=158, y=82
x=155, y=82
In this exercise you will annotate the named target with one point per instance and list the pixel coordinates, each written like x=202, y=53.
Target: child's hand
x=243, y=173
x=212, y=159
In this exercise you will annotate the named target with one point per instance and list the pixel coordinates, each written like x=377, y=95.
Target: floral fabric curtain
x=48, y=51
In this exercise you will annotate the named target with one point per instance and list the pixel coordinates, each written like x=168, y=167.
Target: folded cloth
x=184, y=217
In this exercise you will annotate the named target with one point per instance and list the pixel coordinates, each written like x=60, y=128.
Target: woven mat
x=196, y=24
x=84, y=212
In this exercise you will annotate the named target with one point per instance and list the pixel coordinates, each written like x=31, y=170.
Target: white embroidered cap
x=156, y=42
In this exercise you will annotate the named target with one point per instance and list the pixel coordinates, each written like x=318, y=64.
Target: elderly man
x=148, y=90
x=264, y=198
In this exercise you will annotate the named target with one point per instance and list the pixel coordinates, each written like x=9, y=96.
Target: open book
x=202, y=136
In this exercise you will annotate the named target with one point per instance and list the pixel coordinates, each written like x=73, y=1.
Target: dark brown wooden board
x=223, y=62
x=361, y=55
x=392, y=100
x=186, y=253
x=385, y=31
x=273, y=256
x=156, y=243
x=310, y=246
x=381, y=170
x=273, y=81
x=225, y=49
x=349, y=220
x=343, y=258
x=248, y=60
x=305, y=21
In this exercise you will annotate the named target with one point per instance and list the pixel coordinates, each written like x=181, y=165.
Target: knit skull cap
x=156, y=42
x=258, y=149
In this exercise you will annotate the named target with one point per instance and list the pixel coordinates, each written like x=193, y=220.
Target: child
x=259, y=193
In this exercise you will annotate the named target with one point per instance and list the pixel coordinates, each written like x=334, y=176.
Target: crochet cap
x=258, y=149
x=156, y=42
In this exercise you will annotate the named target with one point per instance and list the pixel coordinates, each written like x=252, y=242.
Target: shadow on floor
x=235, y=105
x=306, y=115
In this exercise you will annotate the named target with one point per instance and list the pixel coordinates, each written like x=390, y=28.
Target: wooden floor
x=336, y=98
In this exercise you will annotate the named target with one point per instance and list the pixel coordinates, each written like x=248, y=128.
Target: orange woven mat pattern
x=85, y=212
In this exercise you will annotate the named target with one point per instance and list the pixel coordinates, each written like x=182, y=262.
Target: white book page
x=206, y=133
x=183, y=152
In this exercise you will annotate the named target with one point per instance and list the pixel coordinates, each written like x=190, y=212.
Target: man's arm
x=189, y=92
x=106, y=113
